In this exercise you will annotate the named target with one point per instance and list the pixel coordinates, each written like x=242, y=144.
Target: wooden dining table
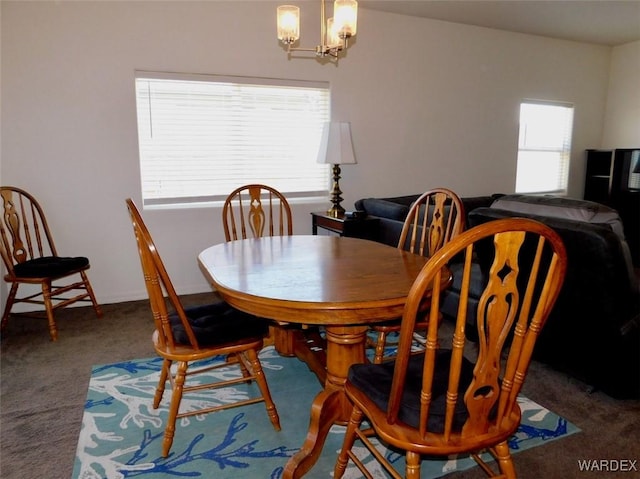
x=342, y=284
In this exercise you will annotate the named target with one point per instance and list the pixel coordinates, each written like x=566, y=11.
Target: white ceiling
x=605, y=22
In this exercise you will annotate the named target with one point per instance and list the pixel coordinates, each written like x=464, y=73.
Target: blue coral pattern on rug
x=121, y=434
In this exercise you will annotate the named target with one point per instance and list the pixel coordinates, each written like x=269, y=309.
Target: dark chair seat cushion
x=218, y=323
x=49, y=266
x=375, y=381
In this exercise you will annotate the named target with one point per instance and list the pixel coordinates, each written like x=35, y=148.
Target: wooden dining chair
x=461, y=399
x=187, y=335
x=434, y=219
x=253, y=211
x=30, y=257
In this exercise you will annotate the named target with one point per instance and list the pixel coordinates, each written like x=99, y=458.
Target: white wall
x=431, y=104
x=622, y=118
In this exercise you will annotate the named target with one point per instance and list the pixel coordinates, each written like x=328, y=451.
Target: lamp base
x=336, y=211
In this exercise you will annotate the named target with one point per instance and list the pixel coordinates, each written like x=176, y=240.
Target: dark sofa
x=392, y=212
x=593, y=331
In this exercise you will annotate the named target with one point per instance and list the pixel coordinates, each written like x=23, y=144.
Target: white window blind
x=200, y=137
x=544, y=148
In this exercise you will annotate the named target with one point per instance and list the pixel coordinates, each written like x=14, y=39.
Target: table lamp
x=336, y=149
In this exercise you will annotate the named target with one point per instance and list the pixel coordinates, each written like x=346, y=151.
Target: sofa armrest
x=581, y=211
x=559, y=207
x=397, y=207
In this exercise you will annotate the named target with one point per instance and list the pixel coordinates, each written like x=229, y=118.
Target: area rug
x=121, y=433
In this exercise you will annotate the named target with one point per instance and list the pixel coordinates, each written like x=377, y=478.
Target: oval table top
x=333, y=280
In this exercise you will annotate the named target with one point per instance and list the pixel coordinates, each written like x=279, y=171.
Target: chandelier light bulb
x=345, y=13
x=333, y=38
x=288, y=23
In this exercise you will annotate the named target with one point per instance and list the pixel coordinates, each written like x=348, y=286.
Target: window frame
x=313, y=187
x=561, y=172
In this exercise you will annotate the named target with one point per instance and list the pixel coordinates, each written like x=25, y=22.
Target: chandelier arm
x=300, y=49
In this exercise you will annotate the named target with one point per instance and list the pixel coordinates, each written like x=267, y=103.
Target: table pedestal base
x=345, y=346
x=325, y=411
x=306, y=344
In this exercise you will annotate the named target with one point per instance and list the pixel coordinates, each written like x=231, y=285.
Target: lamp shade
x=336, y=147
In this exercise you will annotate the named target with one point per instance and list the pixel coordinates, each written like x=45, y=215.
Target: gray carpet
x=44, y=385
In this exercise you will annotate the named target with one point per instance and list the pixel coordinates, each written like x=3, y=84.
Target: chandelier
x=334, y=32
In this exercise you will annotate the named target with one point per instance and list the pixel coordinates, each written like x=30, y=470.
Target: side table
x=365, y=228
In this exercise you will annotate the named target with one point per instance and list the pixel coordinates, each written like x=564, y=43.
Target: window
x=544, y=147
x=200, y=137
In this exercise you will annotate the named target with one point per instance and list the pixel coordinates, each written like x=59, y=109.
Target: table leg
x=345, y=346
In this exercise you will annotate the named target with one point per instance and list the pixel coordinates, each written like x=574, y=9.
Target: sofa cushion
x=396, y=208
x=384, y=208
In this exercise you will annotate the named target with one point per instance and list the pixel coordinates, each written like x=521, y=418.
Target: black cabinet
x=613, y=179
x=597, y=186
